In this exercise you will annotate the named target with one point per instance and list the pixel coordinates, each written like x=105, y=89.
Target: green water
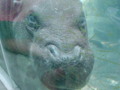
x=103, y=19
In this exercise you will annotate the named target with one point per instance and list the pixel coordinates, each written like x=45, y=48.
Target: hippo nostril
x=77, y=51
x=53, y=50
x=57, y=54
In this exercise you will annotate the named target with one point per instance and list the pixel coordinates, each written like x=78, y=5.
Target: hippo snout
x=59, y=69
x=61, y=56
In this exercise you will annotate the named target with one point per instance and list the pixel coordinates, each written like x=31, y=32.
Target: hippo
x=53, y=34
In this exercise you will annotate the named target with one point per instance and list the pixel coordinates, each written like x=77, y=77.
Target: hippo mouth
x=69, y=77
x=66, y=76
x=64, y=71
x=53, y=79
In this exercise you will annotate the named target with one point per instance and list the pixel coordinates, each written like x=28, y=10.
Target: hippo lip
x=56, y=74
x=49, y=79
x=60, y=72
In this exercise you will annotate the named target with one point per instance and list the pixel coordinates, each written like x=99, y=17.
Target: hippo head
x=56, y=34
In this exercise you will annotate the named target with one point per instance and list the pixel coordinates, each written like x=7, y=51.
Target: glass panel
x=52, y=44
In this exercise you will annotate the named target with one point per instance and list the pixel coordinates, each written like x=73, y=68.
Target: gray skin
x=53, y=33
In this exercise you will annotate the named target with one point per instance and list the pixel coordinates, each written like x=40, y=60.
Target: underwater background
x=103, y=20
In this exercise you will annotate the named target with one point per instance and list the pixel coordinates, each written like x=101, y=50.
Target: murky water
x=103, y=21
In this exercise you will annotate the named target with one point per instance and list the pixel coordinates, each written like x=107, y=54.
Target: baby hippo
x=53, y=34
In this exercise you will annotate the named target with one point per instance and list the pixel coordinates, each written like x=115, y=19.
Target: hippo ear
x=9, y=9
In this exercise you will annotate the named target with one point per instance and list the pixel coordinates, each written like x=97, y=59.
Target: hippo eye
x=82, y=25
x=32, y=23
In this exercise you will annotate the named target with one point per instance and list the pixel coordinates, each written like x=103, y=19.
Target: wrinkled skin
x=53, y=33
